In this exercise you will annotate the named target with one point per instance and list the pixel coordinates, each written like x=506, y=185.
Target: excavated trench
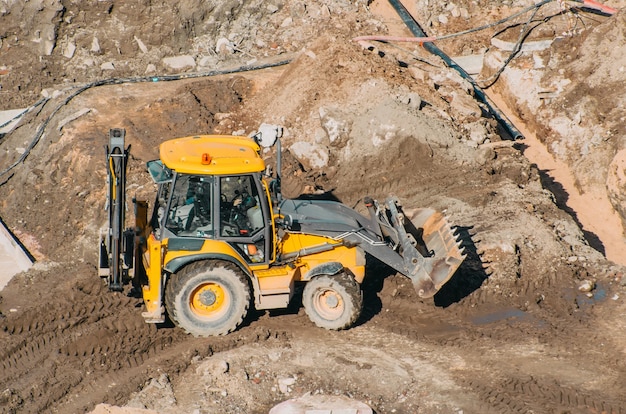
x=593, y=211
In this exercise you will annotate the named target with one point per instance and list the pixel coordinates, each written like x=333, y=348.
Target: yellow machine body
x=221, y=238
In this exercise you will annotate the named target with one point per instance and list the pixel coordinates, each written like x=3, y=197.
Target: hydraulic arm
x=116, y=258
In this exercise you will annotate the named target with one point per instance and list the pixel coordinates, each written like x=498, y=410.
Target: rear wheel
x=208, y=298
x=333, y=302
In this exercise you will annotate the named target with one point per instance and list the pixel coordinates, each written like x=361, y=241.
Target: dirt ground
x=532, y=322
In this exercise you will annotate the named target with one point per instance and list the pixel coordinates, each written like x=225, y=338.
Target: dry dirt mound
x=509, y=333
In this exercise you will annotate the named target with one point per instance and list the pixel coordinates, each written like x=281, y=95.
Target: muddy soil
x=531, y=322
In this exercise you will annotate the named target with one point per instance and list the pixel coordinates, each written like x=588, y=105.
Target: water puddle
x=509, y=315
x=501, y=315
x=597, y=296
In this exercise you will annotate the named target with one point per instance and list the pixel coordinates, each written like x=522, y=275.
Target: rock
x=453, y=9
x=476, y=134
x=321, y=404
x=95, y=46
x=335, y=124
x=284, y=384
x=224, y=46
x=269, y=134
x=412, y=99
x=48, y=47
x=179, y=62
x=69, y=49
x=141, y=45
x=465, y=104
x=157, y=395
x=586, y=286
x=47, y=38
x=417, y=73
x=311, y=155
x=107, y=66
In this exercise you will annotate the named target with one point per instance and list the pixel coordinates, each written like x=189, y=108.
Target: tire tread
x=354, y=294
x=178, y=281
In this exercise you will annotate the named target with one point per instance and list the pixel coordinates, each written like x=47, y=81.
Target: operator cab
x=231, y=208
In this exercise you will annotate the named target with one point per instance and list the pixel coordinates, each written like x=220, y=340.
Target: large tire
x=208, y=298
x=333, y=302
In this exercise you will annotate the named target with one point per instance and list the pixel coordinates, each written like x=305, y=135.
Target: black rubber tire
x=221, y=282
x=333, y=302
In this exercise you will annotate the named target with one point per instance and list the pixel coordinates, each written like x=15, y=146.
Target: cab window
x=240, y=209
x=190, y=209
x=242, y=221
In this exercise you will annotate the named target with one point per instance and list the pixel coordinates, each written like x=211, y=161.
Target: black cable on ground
x=534, y=7
x=118, y=81
x=518, y=46
x=493, y=109
x=30, y=108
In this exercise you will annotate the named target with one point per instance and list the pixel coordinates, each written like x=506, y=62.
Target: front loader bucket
x=437, y=243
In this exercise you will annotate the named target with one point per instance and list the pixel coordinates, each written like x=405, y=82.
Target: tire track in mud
x=518, y=395
x=455, y=329
x=93, y=347
x=38, y=329
x=459, y=326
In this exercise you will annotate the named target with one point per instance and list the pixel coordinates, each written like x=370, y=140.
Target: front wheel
x=208, y=298
x=333, y=302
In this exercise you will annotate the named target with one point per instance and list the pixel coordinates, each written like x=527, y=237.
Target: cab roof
x=212, y=154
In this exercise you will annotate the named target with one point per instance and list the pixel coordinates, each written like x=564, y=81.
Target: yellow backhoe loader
x=221, y=239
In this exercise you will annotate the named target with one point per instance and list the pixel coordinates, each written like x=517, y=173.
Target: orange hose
x=598, y=6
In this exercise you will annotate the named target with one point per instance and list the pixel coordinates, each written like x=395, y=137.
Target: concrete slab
x=527, y=46
x=321, y=404
x=472, y=64
x=7, y=117
x=13, y=258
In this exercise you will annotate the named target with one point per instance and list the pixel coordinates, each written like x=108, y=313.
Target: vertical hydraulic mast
x=112, y=243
